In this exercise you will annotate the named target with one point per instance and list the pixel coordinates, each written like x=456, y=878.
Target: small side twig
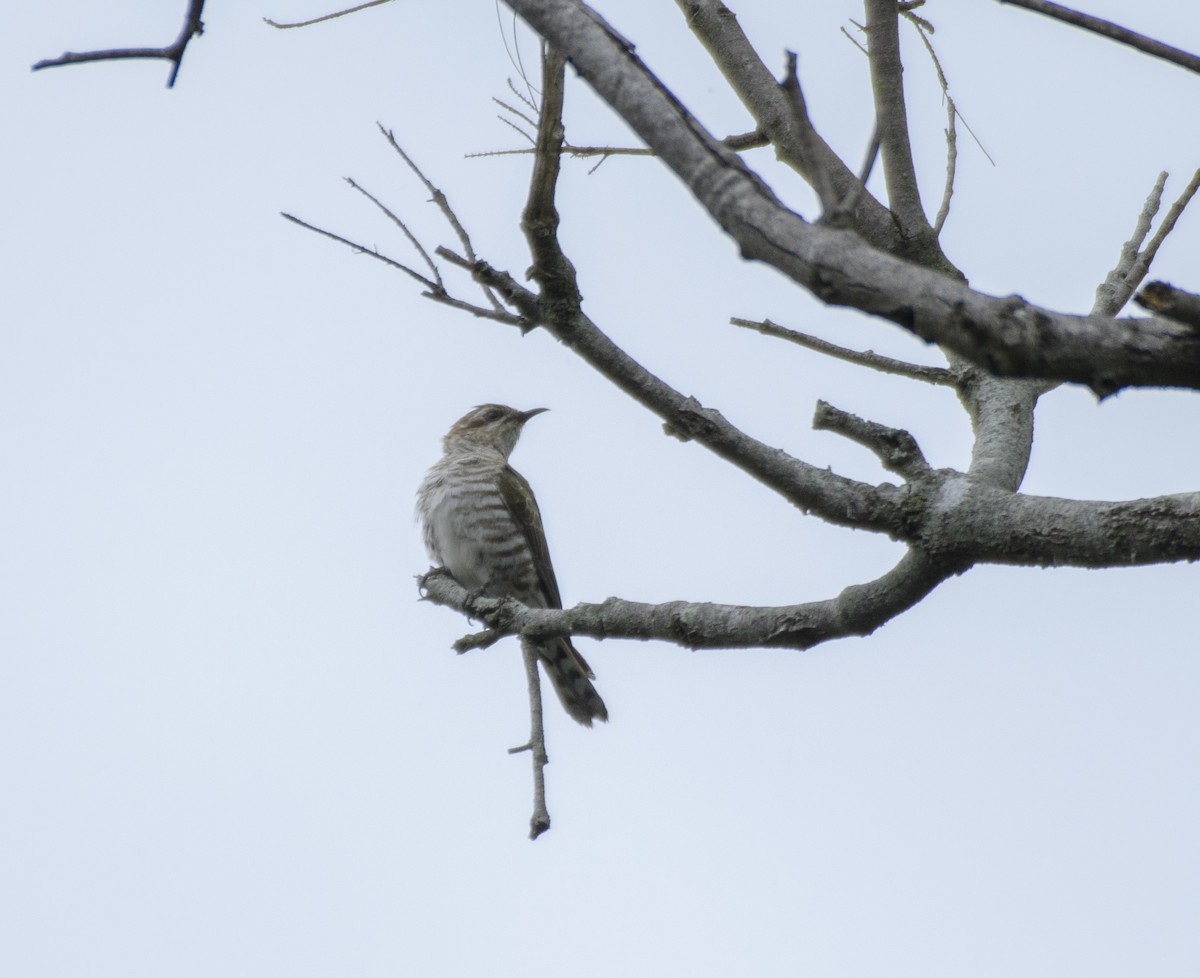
x=432, y=291
x=875, y=361
x=539, y=822
x=193, y=26
x=822, y=182
x=324, y=17
x=1166, y=300
x=896, y=449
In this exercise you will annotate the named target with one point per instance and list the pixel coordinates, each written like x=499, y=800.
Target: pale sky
x=233, y=743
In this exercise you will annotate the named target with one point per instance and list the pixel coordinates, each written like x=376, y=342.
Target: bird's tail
x=572, y=678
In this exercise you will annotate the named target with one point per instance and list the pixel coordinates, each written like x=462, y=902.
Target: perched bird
x=481, y=522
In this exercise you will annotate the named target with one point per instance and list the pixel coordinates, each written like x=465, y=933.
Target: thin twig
x=443, y=205
x=939, y=221
x=429, y=284
x=737, y=143
x=821, y=181
x=1134, y=262
x=891, y=116
x=1174, y=212
x=875, y=361
x=192, y=27
x=539, y=822
x=325, y=17
x=517, y=112
x=1114, y=32
x=412, y=238
x=513, y=125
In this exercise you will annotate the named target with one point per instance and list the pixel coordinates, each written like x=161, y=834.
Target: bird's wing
x=519, y=499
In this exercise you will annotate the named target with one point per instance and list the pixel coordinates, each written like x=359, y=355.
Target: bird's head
x=489, y=426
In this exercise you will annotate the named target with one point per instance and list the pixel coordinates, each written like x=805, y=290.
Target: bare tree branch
x=432, y=291
x=887, y=365
x=897, y=450
x=718, y=30
x=819, y=171
x=836, y=498
x=891, y=117
x=1008, y=336
x=325, y=17
x=1134, y=261
x=192, y=27
x=1114, y=32
x=539, y=821
x=443, y=204
x=857, y=610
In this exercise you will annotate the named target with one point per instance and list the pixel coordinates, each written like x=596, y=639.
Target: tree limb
x=1166, y=300
x=896, y=449
x=1008, y=336
x=891, y=118
x=875, y=361
x=1114, y=32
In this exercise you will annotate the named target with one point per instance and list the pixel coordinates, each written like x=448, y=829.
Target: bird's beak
x=526, y=415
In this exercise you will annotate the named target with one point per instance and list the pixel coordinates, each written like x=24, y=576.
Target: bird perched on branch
x=481, y=522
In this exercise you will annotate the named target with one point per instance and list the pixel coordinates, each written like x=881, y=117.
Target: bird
x=480, y=521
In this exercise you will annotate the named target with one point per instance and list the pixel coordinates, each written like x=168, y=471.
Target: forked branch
x=192, y=27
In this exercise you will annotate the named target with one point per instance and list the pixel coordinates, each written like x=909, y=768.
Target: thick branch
x=858, y=610
x=716, y=26
x=1008, y=336
x=1114, y=32
x=192, y=27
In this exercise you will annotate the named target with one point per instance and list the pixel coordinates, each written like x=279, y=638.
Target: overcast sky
x=233, y=743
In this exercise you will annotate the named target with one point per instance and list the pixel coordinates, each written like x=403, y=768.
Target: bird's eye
x=492, y=414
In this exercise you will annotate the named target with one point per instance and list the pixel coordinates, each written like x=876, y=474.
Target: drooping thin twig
x=896, y=448
x=325, y=17
x=875, y=361
x=539, y=821
x=742, y=141
x=1114, y=32
x=192, y=27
